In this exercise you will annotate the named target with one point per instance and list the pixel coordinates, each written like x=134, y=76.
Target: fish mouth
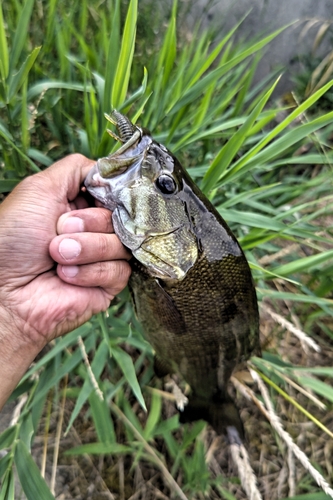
x=110, y=175
x=99, y=188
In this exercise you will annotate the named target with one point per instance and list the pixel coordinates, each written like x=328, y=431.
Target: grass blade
x=319, y=495
x=124, y=65
x=112, y=57
x=7, y=437
x=276, y=146
x=102, y=419
x=7, y=491
x=294, y=297
x=99, y=449
x=154, y=416
x=125, y=362
x=20, y=37
x=4, y=57
x=61, y=345
x=33, y=166
x=232, y=147
x=67, y=366
x=169, y=47
x=7, y=185
x=97, y=366
x=204, y=65
x=253, y=219
x=25, y=133
x=33, y=485
x=40, y=157
x=50, y=23
x=41, y=87
x=5, y=466
x=317, y=386
x=136, y=95
x=194, y=92
x=20, y=77
x=304, y=264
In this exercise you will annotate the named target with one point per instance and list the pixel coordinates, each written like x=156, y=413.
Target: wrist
x=17, y=354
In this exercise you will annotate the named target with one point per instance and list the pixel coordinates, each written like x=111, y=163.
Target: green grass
x=62, y=66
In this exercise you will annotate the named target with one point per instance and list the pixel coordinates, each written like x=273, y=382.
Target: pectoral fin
x=169, y=256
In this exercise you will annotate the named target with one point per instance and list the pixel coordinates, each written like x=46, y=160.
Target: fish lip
x=98, y=187
x=101, y=187
x=91, y=180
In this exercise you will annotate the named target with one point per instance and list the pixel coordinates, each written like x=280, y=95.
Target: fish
x=191, y=284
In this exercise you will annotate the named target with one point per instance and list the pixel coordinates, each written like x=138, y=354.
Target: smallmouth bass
x=191, y=284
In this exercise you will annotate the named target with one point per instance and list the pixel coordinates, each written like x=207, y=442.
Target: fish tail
x=221, y=413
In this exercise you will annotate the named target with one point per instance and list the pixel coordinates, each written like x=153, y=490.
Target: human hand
x=41, y=221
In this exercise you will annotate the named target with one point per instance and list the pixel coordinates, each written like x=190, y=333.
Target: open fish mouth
x=98, y=187
x=121, y=167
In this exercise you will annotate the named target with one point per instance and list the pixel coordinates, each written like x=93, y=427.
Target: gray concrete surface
x=266, y=16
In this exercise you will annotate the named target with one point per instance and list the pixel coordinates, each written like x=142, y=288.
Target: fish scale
x=191, y=284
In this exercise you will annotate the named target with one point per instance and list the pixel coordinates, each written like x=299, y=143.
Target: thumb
x=68, y=174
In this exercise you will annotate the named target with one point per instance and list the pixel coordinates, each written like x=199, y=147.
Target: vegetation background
x=267, y=168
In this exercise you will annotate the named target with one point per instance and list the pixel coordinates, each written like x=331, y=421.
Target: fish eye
x=166, y=184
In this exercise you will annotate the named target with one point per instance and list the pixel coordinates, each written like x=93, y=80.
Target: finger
x=91, y=220
x=112, y=276
x=72, y=169
x=79, y=203
x=86, y=248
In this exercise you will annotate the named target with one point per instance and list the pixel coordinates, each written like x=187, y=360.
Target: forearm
x=15, y=358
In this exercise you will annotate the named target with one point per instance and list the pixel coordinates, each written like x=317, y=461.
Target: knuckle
x=77, y=158
x=100, y=272
x=107, y=219
x=120, y=275
x=126, y=270
x=113, y=275
x=28, y=181
x=103, y=245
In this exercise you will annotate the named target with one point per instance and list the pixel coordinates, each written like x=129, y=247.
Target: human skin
x=60, y=263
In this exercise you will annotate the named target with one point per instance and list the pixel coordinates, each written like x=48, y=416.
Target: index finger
x=91, y=220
